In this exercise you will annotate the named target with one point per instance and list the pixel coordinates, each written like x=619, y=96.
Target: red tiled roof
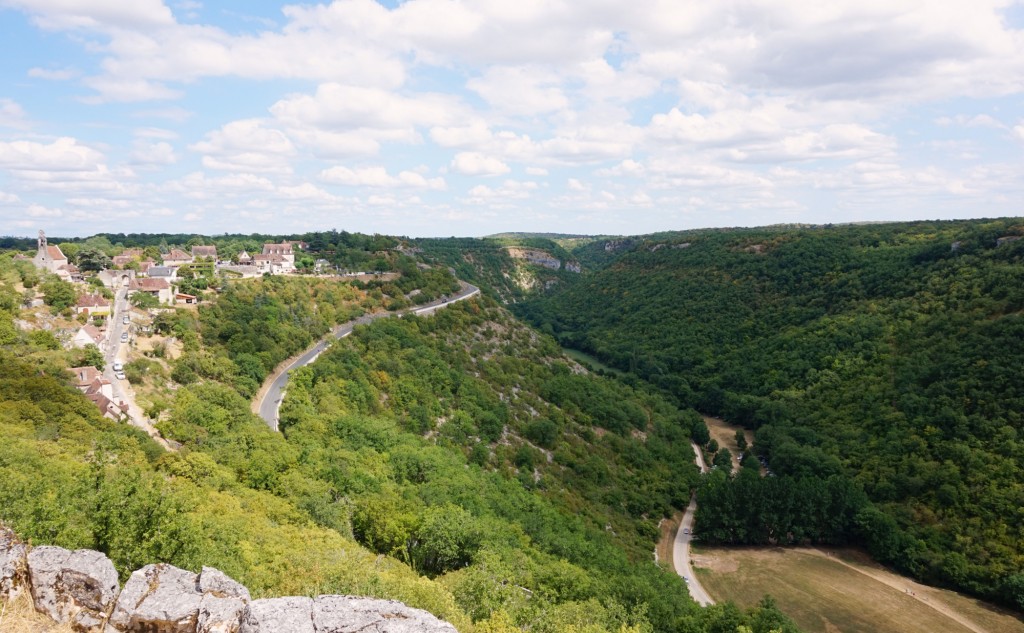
x=54, y=252
x=93, y=301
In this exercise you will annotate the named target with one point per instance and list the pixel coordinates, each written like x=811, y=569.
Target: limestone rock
x=348, y=614
x=219, y=584
x=219, y=615
x=157, y=599
x=277, y=615
x=13, y=564
x=78, y=587
x=224, y=600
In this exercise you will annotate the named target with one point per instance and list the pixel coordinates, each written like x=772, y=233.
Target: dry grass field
x=725, y=434
x=843, y=591
x=18, y=616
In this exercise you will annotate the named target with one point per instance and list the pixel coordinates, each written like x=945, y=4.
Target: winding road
x=269, y=405
x=681, y=546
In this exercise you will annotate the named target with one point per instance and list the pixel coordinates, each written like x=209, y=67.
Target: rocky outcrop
x=535, y=256
x=13, y=564
x=348, y=614
x=338, y=614
x=81, y=588
x=77, y=587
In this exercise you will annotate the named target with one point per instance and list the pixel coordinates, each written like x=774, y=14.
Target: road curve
x=681, y=546
x=270, y=405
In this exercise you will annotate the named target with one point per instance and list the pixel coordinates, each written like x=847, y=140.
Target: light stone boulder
x=13, y=564
x=216, y=582
x=278, y=615
x=78, y=587
x=349, y=614
x=224, y=600
x=157, y=599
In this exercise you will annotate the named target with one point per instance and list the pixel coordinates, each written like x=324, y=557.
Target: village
x=116, y=304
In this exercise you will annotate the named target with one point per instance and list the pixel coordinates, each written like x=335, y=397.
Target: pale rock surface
x=224, y=600
x=277, y=615
x=78, y=587
x=349, y=614
x=13, y=564
x=157, y=599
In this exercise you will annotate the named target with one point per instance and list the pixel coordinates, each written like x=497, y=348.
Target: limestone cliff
x=81, y=588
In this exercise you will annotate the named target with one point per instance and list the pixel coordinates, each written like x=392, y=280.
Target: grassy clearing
x=843, y=591
x=584, y=358
x=725, y=434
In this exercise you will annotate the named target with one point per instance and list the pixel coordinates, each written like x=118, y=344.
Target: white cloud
x=63, y=154
x=474, y=164
x=12, y=115
x=53, y=74
x=160, y=153
x=248, y=146
x=379, y=177
x=520, y=91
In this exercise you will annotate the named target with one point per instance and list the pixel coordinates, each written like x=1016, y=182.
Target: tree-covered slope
x=890, y=354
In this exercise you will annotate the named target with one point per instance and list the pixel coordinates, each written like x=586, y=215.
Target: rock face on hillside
x=77, y=587
x=81, y=588
x=13, y=564
x=541, y=258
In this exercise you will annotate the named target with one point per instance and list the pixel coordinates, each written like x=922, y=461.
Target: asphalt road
x=681, y=547
x=271, y=403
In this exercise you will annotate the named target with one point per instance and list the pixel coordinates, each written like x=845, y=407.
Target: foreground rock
x=348, y=614
x=77, y=587
x=165, y=599
x=81, y=588
x=13, y=564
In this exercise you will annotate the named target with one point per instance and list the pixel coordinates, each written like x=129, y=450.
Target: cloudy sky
x=448, y=117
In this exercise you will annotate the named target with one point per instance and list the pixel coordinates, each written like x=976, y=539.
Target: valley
x=508, y=454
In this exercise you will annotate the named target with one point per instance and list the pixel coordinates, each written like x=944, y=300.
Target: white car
x=126, y=319
x=124, y=337
x=119, y=375
x=118, y=366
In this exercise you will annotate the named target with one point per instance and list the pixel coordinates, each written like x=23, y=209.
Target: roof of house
x=277, y=249
x=149, y=285
x=268, y=258
x=177, y=255
x=85, y=375
x=54, y=252
x=204, y=251
x=182, y=295
x=93, y=332
x=160, y=271
x=93, y=301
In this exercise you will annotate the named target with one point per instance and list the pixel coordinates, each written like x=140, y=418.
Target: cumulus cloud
x=12, y=115
x=474, y=164
x=247, y=145
x=63, y=155
x=379, y=177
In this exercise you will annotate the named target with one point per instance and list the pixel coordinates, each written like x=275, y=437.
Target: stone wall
x=81, y=587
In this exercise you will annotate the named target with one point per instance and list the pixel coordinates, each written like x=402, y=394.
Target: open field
x=725, y=434
x=843, y=591
x=585, y=358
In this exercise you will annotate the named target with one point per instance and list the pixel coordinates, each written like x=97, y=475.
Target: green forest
x=459, y=462
x=883, y=360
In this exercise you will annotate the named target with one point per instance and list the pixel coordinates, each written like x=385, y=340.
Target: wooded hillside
x=889, y=354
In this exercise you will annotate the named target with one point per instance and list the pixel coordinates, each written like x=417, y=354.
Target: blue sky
x=446, y=117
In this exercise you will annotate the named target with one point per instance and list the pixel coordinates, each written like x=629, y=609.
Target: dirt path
x=915, y=590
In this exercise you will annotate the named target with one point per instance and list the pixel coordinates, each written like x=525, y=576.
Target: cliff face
x=81, y=588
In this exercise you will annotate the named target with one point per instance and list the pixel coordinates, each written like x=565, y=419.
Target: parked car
x=124, y=337
x=119, y=375
x=118, y=366
x=126, y=319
